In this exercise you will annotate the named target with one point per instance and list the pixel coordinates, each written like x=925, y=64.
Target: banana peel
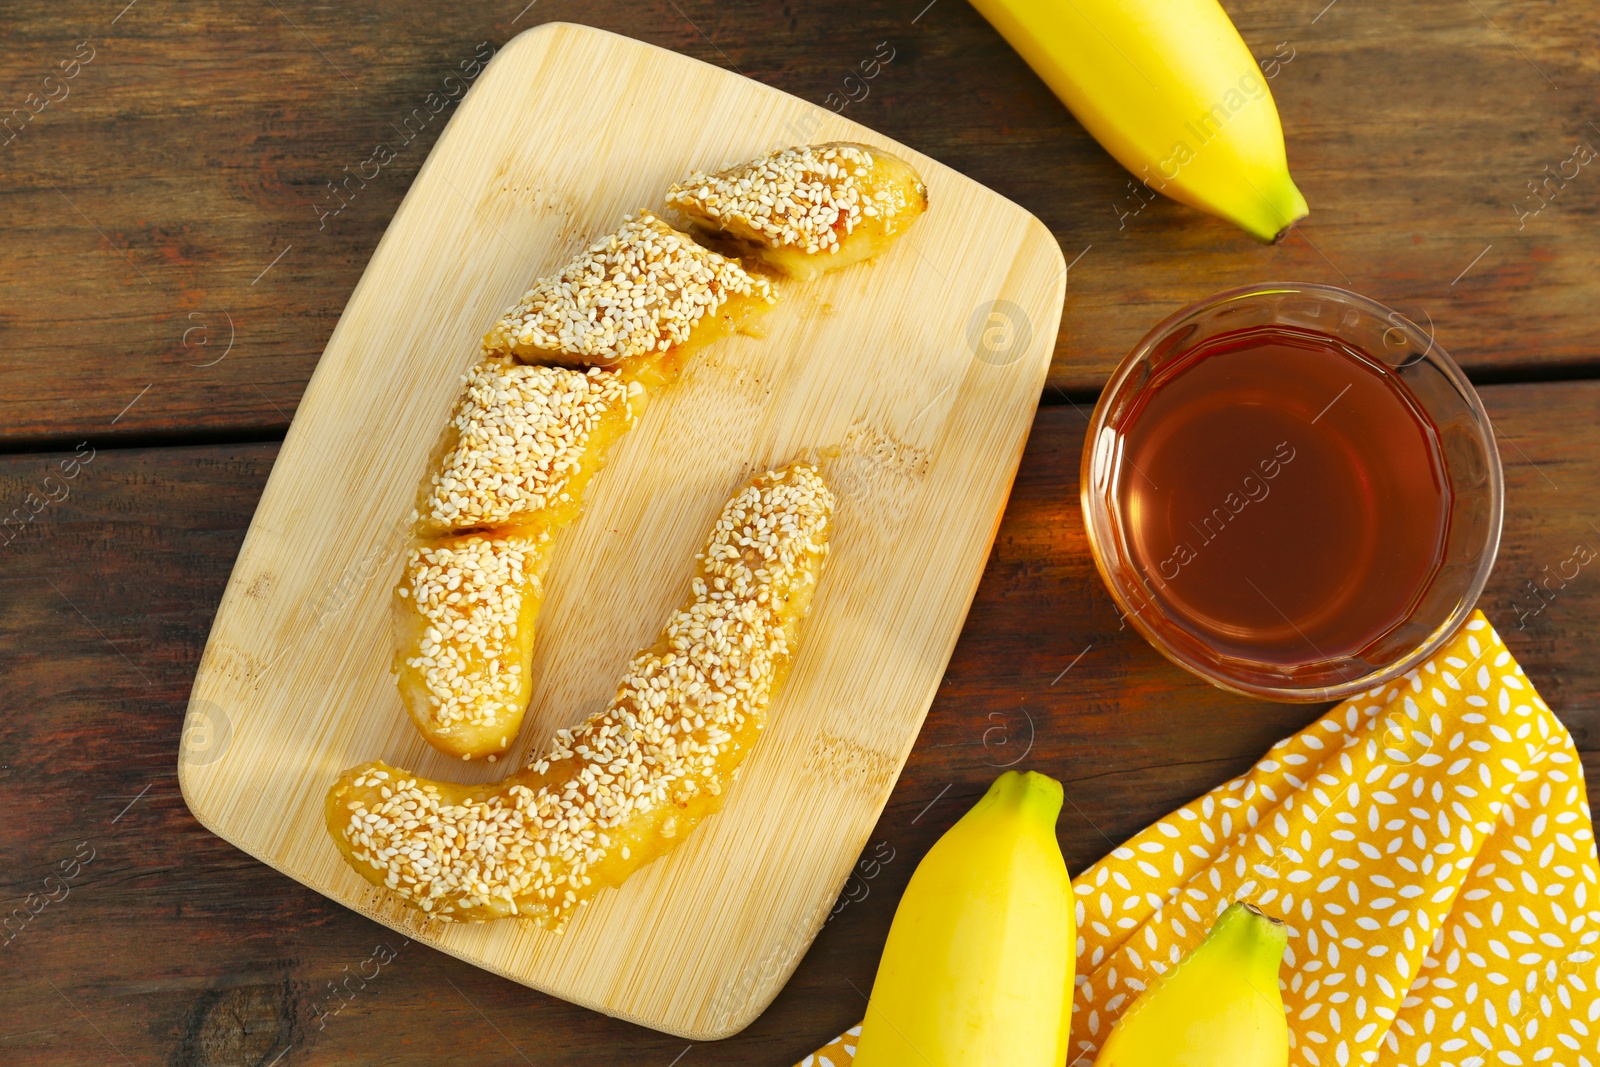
x=1169, y=89
x=978, y=967
x=1221, y=1006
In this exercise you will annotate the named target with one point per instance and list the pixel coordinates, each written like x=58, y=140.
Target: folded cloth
x=1429, y=846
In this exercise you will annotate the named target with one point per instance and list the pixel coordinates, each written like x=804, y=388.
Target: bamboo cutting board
x=915, y=377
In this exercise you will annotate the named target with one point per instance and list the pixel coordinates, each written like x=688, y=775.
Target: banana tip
x=1283, y=233
x=1261, y=914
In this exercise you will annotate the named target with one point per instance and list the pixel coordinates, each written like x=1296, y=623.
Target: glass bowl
x=1436, y=386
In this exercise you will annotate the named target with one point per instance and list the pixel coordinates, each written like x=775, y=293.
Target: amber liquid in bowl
x=1283, y=496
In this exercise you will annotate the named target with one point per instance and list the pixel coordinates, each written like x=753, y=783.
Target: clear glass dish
x=1437, y=386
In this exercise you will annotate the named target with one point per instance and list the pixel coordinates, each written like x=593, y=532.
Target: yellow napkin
x=1430, y=847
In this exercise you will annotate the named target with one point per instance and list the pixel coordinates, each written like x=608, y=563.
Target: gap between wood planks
x=1052, y=396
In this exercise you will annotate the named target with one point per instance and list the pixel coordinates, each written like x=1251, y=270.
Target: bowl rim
x=1096, y=511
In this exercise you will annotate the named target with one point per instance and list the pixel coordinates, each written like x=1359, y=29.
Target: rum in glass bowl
x=1292, y=491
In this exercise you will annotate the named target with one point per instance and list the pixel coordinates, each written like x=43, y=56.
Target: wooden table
x=173, y=264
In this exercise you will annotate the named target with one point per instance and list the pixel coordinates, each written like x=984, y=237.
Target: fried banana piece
x=806, y=210
x=522, y=444
x=463, y=619
x=644, y=292
x=622, y=788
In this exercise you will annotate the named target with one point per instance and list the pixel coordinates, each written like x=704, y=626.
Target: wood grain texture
x=567, y=131
x=196, y=147
x=200, y=142
x=178, y=949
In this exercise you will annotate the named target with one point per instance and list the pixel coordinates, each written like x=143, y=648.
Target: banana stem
x=1033, y=794
x=1252, y=937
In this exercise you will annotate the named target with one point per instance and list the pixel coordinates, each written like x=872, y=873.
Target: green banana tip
x=1297, y=211
x=1028, y=788
x=1242, y=918
x=1257, y=912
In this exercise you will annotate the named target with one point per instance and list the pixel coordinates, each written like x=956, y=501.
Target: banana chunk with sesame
x=622, y=788
x=645, y=294
x=806, y=210
x=522, y=444
x=509, y=473
x=464, y=623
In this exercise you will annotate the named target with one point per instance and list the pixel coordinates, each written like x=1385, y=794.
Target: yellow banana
x=1170, y=90
x=1219, y=1008
x=977, y=971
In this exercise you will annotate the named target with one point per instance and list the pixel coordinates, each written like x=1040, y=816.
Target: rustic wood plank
x=148, y=208
x=176, y=948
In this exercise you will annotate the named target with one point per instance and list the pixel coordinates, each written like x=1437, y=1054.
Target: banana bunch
x=977, y=971
x=1220, y=1008
x=1170, y=90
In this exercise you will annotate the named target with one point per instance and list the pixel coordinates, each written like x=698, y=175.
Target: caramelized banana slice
x=645, y=290
x=523, y=443
x=622, y=788
x=463, y=618
x=806, y=210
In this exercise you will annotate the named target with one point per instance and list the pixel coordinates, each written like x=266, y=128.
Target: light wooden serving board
x=916, y=376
